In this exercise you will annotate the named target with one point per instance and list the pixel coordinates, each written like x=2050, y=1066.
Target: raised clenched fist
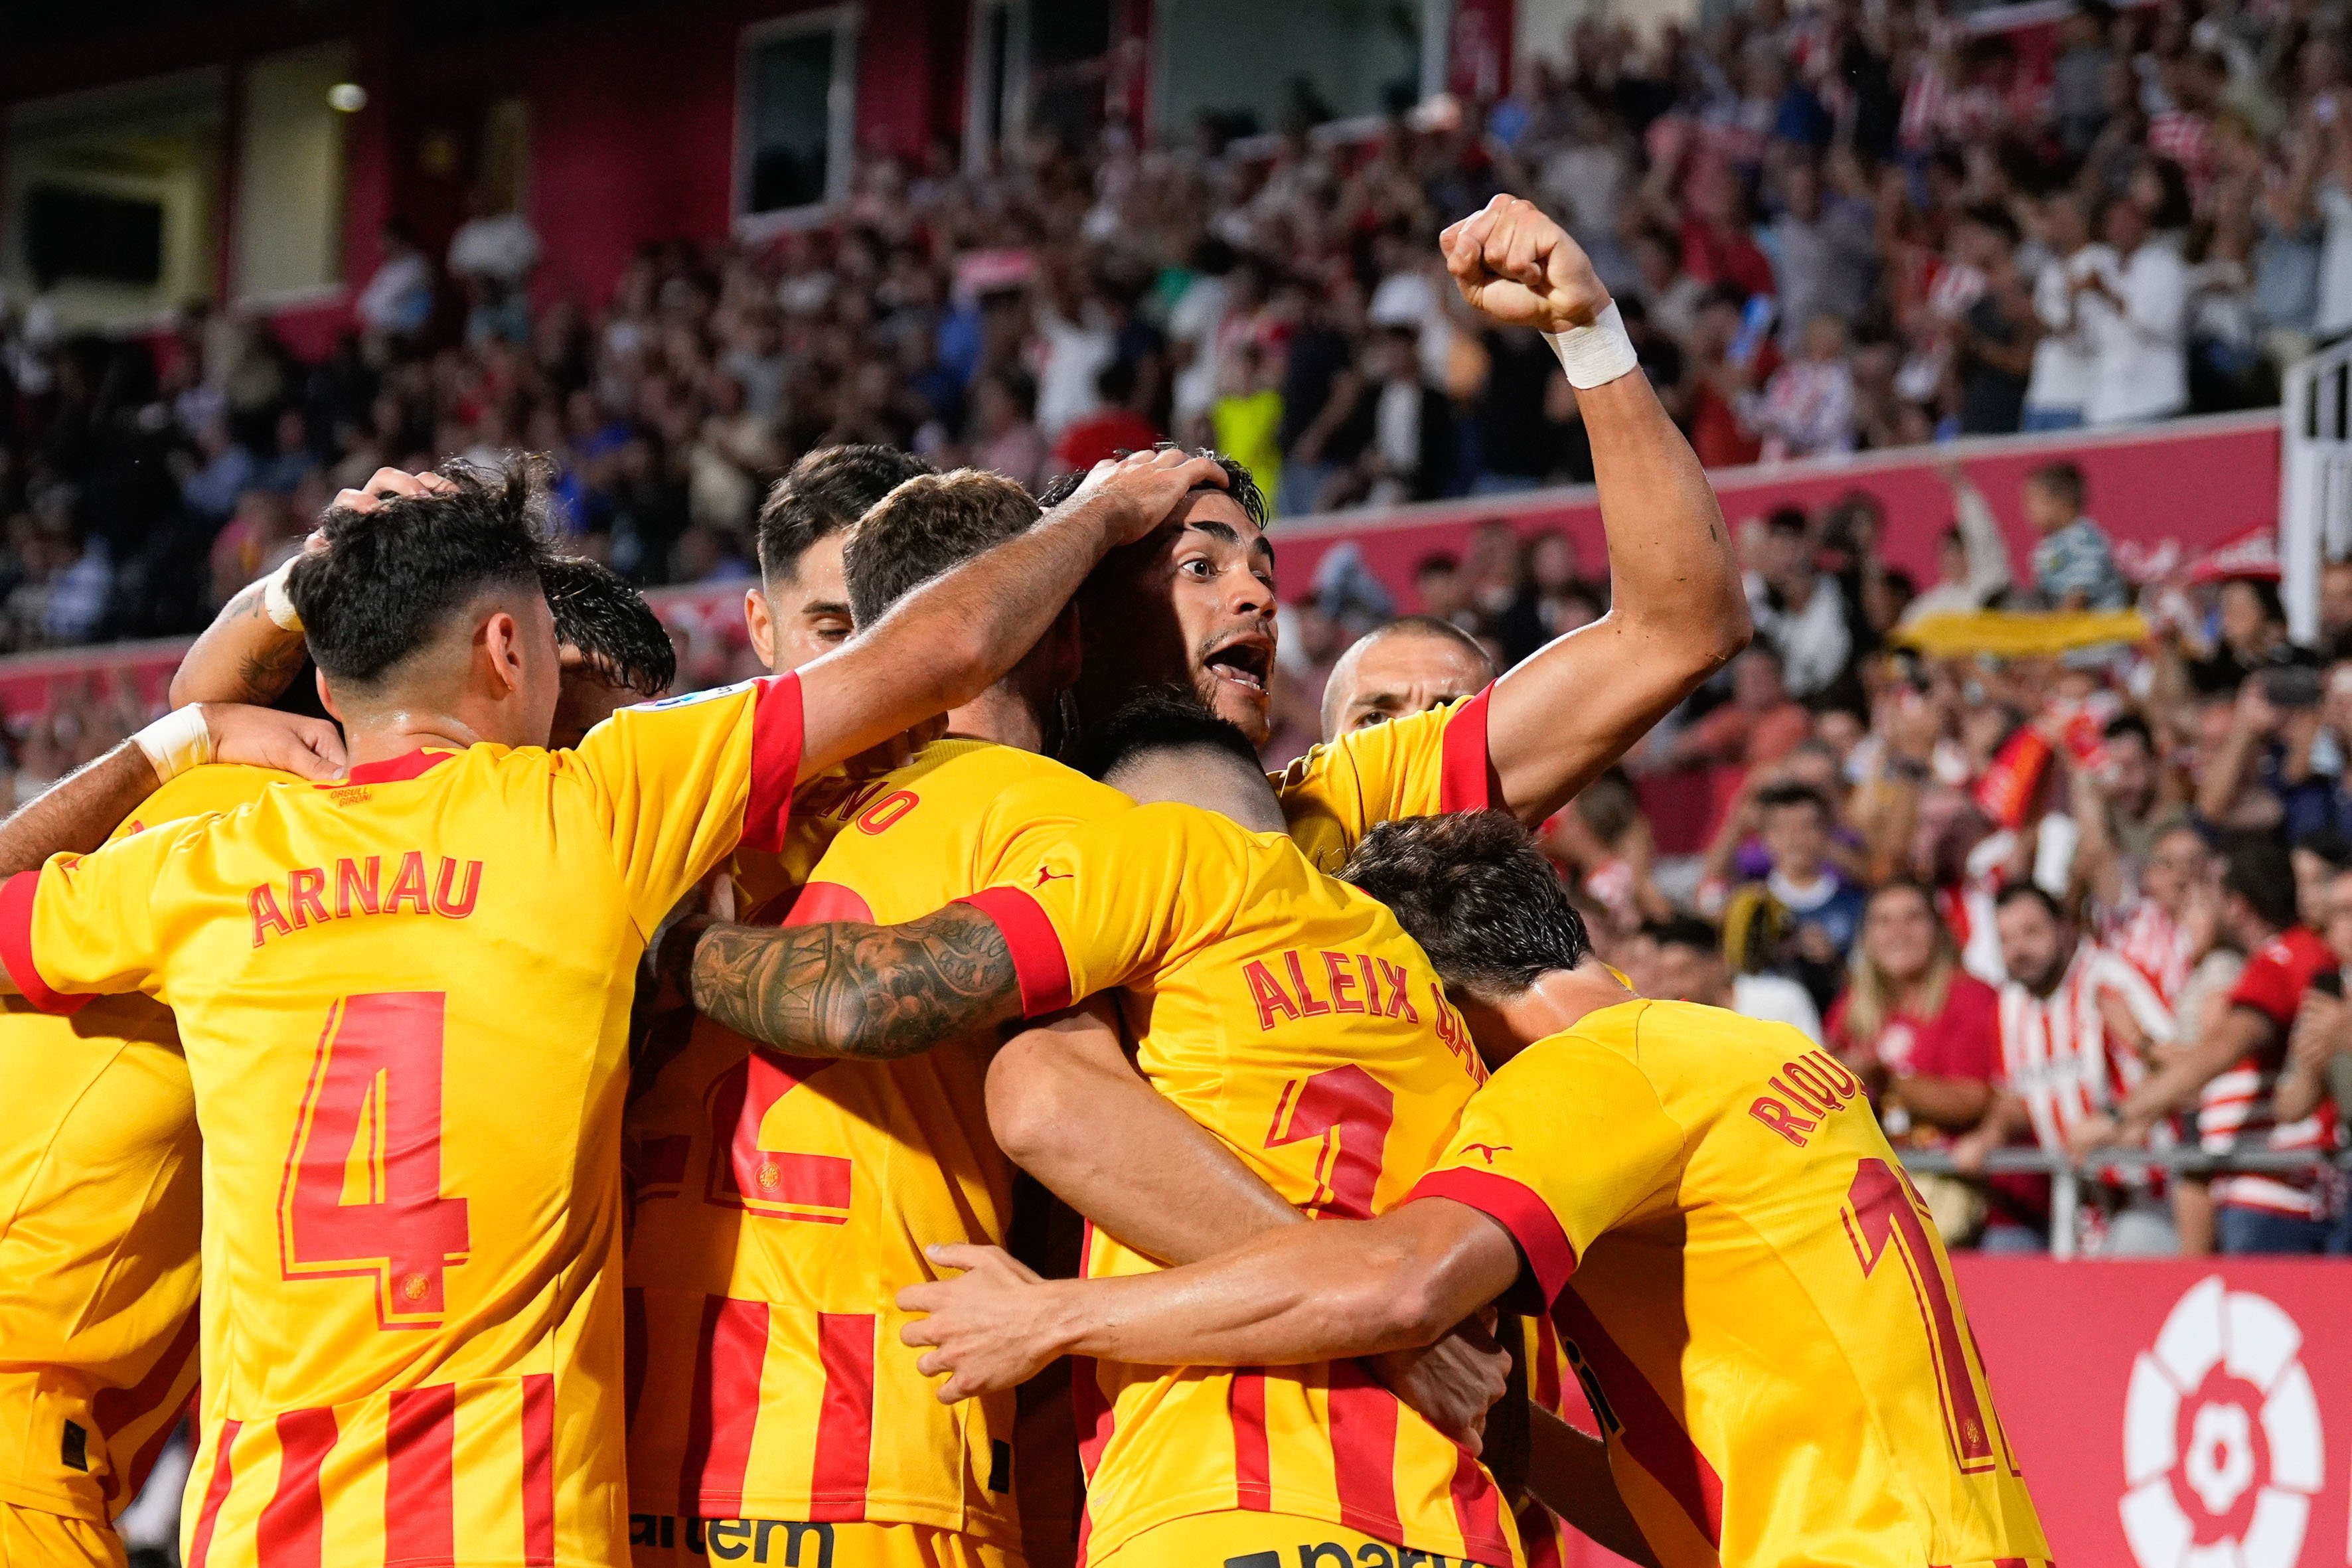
x=1520, y=268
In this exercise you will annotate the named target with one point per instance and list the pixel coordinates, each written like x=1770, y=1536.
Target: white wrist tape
x=1597, y=354
x=275, y=602
x=177, y=742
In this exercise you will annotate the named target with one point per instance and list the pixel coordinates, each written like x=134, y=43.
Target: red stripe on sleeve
x=823, y=902
x=725, y=1406
x=200, y=1545
x=1036, y=947
x=420, y=1437
x=1516, y=1207
x=293, y=1520
x=776, y=737
x=1649, y=1428
x=845, y=1422
x=539, y=1470
x=1466, y=780
x=1364, y=1451
x=1253, y=1467
x=1478, y=1512
x=17, y=946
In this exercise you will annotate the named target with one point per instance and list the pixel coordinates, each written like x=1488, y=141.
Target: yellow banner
x=2017, y=634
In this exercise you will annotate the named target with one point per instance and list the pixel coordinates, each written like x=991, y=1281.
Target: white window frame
x=1009, y=89
x=841, y=117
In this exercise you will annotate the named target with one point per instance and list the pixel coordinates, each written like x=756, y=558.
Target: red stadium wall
x=2195, y=482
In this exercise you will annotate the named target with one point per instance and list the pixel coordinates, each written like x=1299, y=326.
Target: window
x=797, y=105
x=108, y=198
x=289, y=178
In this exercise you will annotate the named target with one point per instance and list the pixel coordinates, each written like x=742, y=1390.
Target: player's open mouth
x=1246, y=661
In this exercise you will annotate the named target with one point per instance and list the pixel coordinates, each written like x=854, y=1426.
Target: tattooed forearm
x=872, y=993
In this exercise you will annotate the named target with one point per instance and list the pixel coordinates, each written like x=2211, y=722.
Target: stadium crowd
x=1831, y=227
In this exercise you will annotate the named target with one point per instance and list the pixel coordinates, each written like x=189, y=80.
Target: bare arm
x=864, y=992
x=949, y=641
x=1954, y=1103
x=242, y=656
x=2240, y=1033
x=1302, y=1293
x=1068, y=1108
x=1677, y=613
x=1568, y=1474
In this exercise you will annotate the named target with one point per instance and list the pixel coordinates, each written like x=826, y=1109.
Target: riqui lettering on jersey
x=312, y=895
x=1806, y=1092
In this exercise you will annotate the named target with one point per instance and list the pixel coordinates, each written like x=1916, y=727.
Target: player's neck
x=379, y=738
x=1558, y=1000
x=1001, y=715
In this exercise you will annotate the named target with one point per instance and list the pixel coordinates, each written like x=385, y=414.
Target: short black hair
x=1686, y=930
x=1240, y=484
x=2124, y=724
x=390, y=577
x=2328, y=844
x=599, y=614
x=2259, y=871
x=826, y=491
x=1791, y=793
x=930, y=524
x=2062, y=479
x=1159, y=718
x=1786, y=519
x=1475, y=892
x=2037, y=893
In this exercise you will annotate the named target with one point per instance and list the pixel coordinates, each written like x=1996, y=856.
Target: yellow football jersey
x=1291, y=1016
x=98, y=1220
x=404, y=1001
x=1419, y=765
x=1753, y=1296
x=783, y=1202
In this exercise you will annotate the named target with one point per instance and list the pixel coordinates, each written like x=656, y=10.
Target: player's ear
x=760, y=621
x=502, y=647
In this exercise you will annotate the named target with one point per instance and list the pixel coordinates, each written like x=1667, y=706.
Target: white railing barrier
x=2315, y=480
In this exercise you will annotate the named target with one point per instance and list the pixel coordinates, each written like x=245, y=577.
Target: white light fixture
x=347, y=97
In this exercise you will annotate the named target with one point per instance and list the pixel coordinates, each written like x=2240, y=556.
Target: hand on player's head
x=1520, y=268
x=1147, y=487
x=388, y=484
x=263, y=738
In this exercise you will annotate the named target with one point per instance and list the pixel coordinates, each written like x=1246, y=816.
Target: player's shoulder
x=1346, y=752
x=215, y=789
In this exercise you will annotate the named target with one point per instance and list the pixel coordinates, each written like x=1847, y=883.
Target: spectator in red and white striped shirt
x=2230, y=1072
x=2077, y=1023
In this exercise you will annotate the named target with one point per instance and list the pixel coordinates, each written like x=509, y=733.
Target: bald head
x=1406, y=667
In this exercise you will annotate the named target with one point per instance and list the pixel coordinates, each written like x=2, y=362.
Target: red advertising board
x=2176, y=1414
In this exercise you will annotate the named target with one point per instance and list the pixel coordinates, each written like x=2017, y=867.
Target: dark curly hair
x=610, y=622
x=1475, y=892
x=1239, y=483
x=389, y=578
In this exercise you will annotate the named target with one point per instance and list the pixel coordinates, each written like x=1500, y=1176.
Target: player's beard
x=1250, y=713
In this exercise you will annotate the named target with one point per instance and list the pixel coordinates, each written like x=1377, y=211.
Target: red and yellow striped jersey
x=1419, y=765
x=99, y=1220
x=1752, y=1295
x=783, y=1202
x=1291, y=1016
x=403, y=1001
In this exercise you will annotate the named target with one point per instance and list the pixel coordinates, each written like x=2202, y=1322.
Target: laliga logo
x=2222, y=1449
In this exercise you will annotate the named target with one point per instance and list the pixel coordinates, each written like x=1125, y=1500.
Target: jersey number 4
x=362, y=1195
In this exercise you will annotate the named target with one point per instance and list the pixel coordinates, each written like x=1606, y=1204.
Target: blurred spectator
x=1117, y=426
x=1971, y=558
x=1824, y=908
x=1759, y=725
x=1007, y=439
x=397, y=302
x=2073, y=564
x=2058, y=387
x=491, y=257
x=1799, y=607
x=2076, y=1022
x=1689, y=968
x=1412, y=453
x=2135, y=313
x=1807, y=408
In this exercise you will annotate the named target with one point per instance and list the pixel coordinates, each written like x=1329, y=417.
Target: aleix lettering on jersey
x=356, y=887
x=1806, y=1092
x=1325, y=981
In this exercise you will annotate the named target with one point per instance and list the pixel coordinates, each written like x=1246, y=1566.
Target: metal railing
x=2067, y=1177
